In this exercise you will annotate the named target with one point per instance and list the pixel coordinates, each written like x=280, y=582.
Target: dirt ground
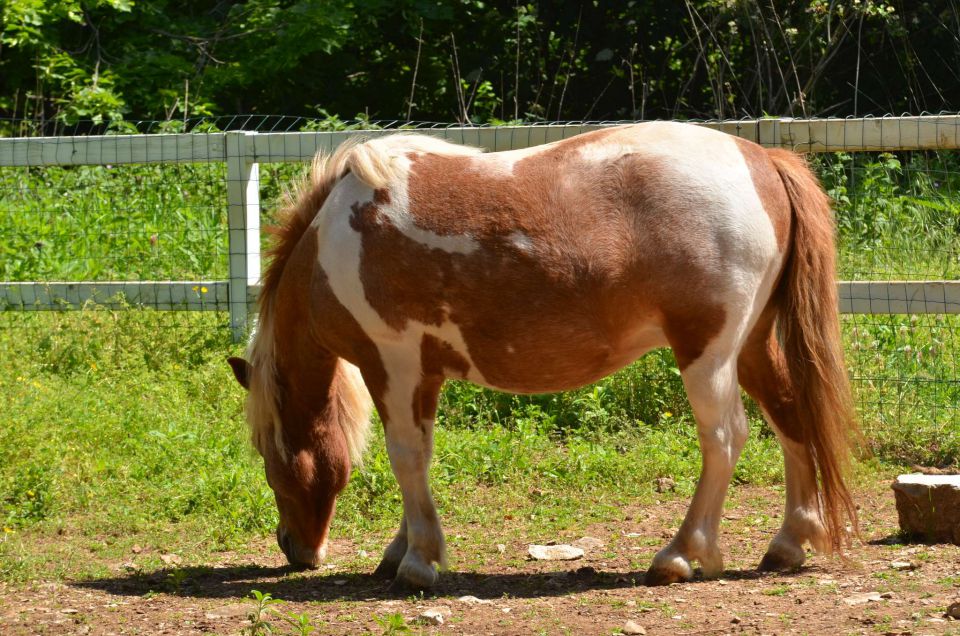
x=495, y=589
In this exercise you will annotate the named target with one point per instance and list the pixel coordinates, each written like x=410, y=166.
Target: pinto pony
x=405, y=260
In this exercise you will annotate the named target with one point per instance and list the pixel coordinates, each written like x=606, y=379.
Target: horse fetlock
x=803, y=525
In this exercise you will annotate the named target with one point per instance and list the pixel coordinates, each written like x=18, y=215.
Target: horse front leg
x=722, y=429
x=410, y=408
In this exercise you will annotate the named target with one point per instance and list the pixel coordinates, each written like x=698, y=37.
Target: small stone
x=954, y=610
x=432, y=616
x=340, y=581
x=136, y=549
x=903, y=566
x=860, y=599
x=631, y=627
x=234, y=610
x=362, y=554
x=736, y=620
x=501, y=548
x=473, y=600
x=664, y=484
x=68, y=610
x=171, y=559
x=559, y=552
x=588, y=543
x=886, y=595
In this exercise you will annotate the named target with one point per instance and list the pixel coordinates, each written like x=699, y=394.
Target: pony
x=405, y=260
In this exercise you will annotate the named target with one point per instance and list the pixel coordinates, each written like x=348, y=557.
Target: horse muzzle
x=297, y=555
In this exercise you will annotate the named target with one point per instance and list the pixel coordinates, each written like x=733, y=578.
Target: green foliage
x=101, y=60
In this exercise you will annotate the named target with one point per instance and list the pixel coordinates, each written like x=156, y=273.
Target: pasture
x=132, y=498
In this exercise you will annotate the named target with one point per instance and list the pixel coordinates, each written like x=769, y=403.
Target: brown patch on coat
x=763, y=373
x=770, y=189
x=311, y=331
x=559, y=309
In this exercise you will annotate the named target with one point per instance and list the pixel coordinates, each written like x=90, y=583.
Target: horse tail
x=809, y=331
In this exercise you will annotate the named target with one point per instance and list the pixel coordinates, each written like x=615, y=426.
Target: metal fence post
x=243, y=218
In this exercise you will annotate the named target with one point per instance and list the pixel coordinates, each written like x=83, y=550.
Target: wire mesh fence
x=152, y=226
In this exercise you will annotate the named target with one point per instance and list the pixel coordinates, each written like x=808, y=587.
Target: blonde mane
x=376, y=162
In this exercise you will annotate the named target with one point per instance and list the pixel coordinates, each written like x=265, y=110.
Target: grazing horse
x=406, y=260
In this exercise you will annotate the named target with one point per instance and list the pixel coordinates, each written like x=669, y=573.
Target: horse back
x=575, y=257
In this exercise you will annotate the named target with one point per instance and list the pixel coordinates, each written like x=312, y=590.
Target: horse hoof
x=661, y=576
x=778, y=562
x=387, y=569
x=414, y=575
x=782, y=557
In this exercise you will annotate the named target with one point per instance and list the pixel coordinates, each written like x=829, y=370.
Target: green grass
x=125, y=427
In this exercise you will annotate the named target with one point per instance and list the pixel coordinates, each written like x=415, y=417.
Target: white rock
x=632, y=628
x=903, y=566
x=432, y=616
x=473, y=600
x=560, y=552
x=860, y=599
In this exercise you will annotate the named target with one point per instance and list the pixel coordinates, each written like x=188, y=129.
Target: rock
x=860, y=599
x=560, y=552
x=632, y=628
x=664, y=484
x=171, y=559
x=340, y=581
x=954, y=611
x=136, y=549
x=234, y=610
x=431, y=616
x=473, y=600
x=588, y=543
x=929, y=506
x=501, y=547
x=903, y=566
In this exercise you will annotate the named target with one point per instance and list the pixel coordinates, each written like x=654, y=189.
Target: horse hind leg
x=711, y=384
x=763, y=374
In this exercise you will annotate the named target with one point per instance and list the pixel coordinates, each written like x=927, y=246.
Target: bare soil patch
x=886, y=587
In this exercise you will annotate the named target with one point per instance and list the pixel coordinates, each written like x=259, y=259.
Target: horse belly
x=556, y=355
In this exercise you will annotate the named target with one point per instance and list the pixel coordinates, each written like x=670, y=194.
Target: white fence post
x=243, y=218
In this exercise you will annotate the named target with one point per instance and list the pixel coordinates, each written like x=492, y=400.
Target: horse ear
x=241, y=371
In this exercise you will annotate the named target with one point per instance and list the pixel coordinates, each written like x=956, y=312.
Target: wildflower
x=667, y=414
x=203, y=290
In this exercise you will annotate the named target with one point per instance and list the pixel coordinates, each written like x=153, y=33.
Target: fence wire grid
x=132, y=227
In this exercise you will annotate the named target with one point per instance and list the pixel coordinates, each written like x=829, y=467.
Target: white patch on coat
x=520, y=241
x=339, y=254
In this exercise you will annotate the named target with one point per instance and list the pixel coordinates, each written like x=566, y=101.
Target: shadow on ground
x=294, y=585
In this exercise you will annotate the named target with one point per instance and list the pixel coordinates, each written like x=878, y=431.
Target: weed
x=259, y=625
x=393, y=623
